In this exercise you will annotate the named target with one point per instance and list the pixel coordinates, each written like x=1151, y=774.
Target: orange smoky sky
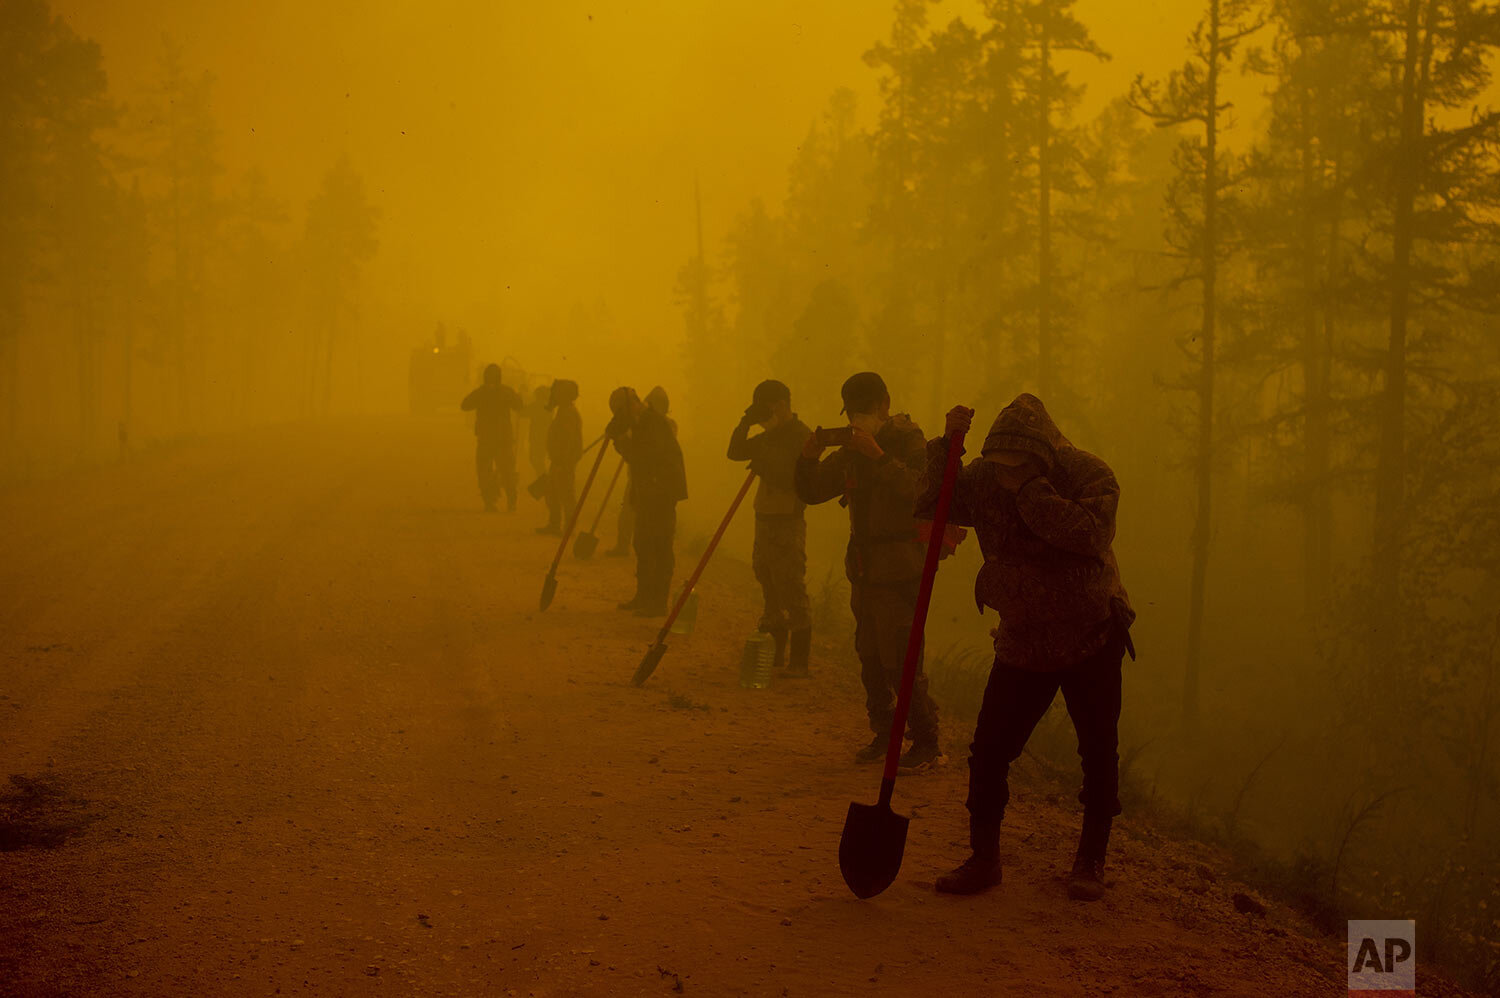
x=528, y=158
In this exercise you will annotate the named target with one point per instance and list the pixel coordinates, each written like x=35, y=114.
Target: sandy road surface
x=279, y=716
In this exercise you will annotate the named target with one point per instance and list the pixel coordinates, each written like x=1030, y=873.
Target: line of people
x=1043, y=511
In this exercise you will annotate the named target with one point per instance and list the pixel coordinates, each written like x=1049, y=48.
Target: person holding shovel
x=538, y=421
x=647, y=440
x=875, y=473
x=494, y=438
x=1044, y=512
x=564, y=449
x=779, y=556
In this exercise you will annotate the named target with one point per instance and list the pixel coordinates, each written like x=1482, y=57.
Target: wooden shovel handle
x=692, y=581
x=594, y=527
x=919, y=619
x=578, y=509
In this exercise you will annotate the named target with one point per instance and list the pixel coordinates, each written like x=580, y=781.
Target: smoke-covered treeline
x=144, y=291
x=1277, y=323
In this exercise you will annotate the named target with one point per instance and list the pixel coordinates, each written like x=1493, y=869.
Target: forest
x=1279, y=325
x=1262, y=282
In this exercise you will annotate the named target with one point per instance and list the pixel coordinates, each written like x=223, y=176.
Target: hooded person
x=538, y=420
x=564, y=448
x=875, y=473
x=494, y=438
x=1044, y=513
x=657, y=399
x=647, y=440
x=779, y=556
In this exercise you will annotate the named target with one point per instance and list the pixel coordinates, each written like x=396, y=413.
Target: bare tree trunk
x=1316, y=310
x=1203, y=459
x=1390, y=470
x=1044, y=218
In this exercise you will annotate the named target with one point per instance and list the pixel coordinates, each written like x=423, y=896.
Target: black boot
x=779, y=636
x=800, y=651
x=981, y=870
x=1086, y=881
x=924, y=753
x=875, y=751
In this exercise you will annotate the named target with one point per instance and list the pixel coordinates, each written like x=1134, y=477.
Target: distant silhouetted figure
x=647, y=440
x=564, y=448
x=495, y=444
x=780, y=553
x=1044, y=512
x=538, y=421
x=657, y=399
x=875, y=474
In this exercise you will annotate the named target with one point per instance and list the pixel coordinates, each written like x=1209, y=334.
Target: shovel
x=874, y=838
x=538, y=488
x=659, y=648
x=587, y=543
x=549, y=585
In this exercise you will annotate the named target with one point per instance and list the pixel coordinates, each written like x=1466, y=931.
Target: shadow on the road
x=36, y=813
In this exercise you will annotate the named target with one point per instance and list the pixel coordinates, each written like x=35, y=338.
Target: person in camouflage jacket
x=875, y=475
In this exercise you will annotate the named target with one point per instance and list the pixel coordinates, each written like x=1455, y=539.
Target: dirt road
x=280, y=717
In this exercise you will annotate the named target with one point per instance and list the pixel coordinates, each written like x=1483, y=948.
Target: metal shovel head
x=584, y=546
x=549, y=590
x=538, y=488
x=648, y=663
x=871, y=848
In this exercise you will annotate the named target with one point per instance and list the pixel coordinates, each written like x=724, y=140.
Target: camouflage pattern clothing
x=779, y=556
x=883, y=562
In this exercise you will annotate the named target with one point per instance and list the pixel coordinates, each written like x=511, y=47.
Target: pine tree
x=1197, y=231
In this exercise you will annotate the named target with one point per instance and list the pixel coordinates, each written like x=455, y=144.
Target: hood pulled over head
x=1025, y=425
x=563, y=392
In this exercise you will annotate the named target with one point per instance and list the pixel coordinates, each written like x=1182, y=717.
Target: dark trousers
x=882, y=626
x=779, y=559
x=1015, y=700
x=561, y=495
x=495, y=465
x=655, y=530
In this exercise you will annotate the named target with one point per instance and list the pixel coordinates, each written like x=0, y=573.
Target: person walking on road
x=494, y=438
x=1044, y=512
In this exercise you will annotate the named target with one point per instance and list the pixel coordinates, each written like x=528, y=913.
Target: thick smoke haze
x=253, y=256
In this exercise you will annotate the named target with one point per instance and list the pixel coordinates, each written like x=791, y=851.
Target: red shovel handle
x=919, y=619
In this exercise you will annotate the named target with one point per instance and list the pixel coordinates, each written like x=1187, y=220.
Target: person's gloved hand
x=959, y=419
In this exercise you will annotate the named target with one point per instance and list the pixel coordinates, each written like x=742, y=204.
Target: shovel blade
x=649, y=663
x=549, y=590
x=538, y=488
x=871, y=848
x=584, y=546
